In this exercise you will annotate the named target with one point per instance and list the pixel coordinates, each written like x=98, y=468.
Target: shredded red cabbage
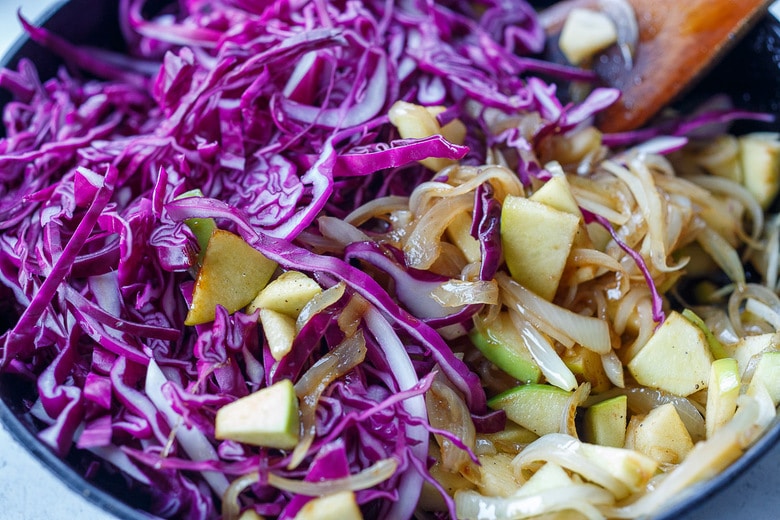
x=277, y=113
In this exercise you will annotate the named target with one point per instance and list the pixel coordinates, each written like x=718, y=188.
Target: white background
x=29, y=492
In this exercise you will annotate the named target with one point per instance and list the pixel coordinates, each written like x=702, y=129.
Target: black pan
x=750, y=74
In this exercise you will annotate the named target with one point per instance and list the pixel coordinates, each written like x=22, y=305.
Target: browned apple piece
x=232, y=274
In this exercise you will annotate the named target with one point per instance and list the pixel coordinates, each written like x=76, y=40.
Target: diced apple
x=767, y=373
x=454, y=131
x=536, y=240
x=676, y=358
x=286, y=294
x=232, y=274
x=267, y=417
x=502, y=345
x=340, y=505
x=631, y=468
x=722, y=394
x=721, y=157
x=586, y=32
x=661, y=435
x=279, y=330
x=202, y=228
x=760, y=157
x=417, y=121
x=750, y=347
x=250, y=514
x=716, y=347
x=459, y=233
x=587, y=365
x=556, y=193
x=573, y=148
x=535, y=406
x=604, y=423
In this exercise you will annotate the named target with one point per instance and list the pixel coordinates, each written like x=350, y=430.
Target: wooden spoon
x=679, y=40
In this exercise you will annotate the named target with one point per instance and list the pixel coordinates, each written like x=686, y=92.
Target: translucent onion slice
x=333, y=365
x=423, y=244
x=564, y=325
x=470, y=505
x=550, y=363
x=568, y=425
x=455, y=293
x=377, y=208
x=447, y=411
x=722, y=253
x=732, y=189
x=319, y=302
x=766, y=304
x=576, y=456
x=368, y=478
x=613, y=368
x=194, y=443
x=231, y=507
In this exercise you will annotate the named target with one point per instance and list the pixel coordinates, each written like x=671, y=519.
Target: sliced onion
x=763, y=311
x=763, y=297
x=721, y=185
x=576, y=399
x=369, y=477
x=320, y=302
x=231, y=507
x=340, y=231
x=722, y=253
x=447, y=411
x=550, y=363
x=471, y=505
x=194, y=443
x=423, y=244
x=377, y=208
x=333, y=365
x=569, y=453
x=564, y=325
x=642, y=399
x=455, y=293
x=613, y=368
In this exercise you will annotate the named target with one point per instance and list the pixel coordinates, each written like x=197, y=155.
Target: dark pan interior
x=750, y=74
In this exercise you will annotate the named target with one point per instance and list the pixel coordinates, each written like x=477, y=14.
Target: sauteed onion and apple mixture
x=366, y=259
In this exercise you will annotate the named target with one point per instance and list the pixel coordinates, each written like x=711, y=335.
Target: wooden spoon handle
x=679, y=40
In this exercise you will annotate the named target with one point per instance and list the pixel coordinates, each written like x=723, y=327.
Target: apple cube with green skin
x=676, y=358
x=340, y=505
x=202, y=228
x=604, y=423
x=660, y=435
x=767, y=373
x=231, y=275
x=722, y=394
x=536, y=240
x=268, y=417
x=537, y=407
x=587, y=365
x=752, y=347
x=716, y=347
x=503, y=346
